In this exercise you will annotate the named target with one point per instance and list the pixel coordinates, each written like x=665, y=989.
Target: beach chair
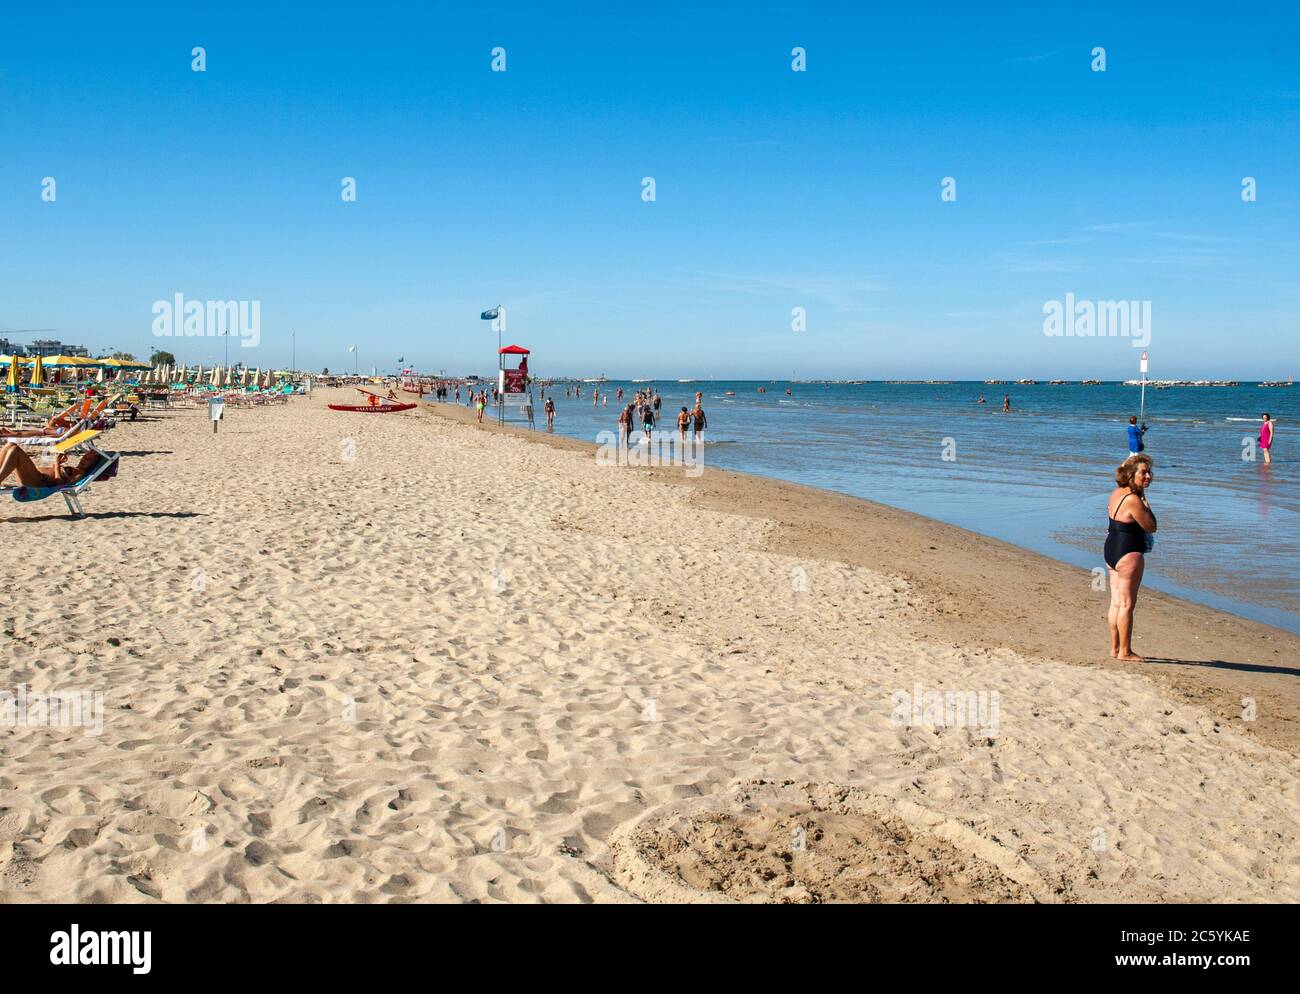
x=75, y=420
x=105, y=469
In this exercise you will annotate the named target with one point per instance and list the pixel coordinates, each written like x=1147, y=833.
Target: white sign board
x=216, y=407
x=1143, y=363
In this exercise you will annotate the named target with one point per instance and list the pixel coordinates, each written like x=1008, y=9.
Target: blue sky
x=775, y=189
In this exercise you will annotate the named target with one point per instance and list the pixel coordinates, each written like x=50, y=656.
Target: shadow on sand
x=1221, y=664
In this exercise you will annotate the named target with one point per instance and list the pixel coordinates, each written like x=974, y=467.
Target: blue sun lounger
x=105, y=469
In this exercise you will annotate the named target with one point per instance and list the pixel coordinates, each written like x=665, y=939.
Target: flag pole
x=1142, y=407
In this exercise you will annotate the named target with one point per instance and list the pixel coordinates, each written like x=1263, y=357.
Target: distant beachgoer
x=14, y=461
x=648, y=422
x=1131, y=523
x=625, y=425
x=550, y=415
x=699, y=398
x=480, y=404
x=1266, y=438
x=1006, y=404
x=683, y=422
x=620, y=394
x=595, y=397
x=981, y=400
x=604, y=399
x=699, y=421
x=656, y=403
x=1135, y=434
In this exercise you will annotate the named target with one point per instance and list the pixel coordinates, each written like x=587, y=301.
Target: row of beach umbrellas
x=164, y=373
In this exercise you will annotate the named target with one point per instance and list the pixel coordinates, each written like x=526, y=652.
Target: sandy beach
x=403, y=658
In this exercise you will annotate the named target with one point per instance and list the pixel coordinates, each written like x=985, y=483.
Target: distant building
x=50, y=346
x=11, y=348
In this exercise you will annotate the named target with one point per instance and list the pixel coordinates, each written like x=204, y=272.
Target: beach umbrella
x=11, y=381
x=38, y=373
x=100, y=377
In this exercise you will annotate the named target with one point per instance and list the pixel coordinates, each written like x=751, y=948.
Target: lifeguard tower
x=514, y=386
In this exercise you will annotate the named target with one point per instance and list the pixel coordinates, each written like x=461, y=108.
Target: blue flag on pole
x=491, y=315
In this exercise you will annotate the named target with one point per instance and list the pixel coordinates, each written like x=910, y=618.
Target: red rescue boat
x=374, y=404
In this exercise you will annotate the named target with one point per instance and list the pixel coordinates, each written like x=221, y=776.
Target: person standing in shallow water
x=1130, y=525
x=1006, y=404
x=1135, y=434
x=1266, y=438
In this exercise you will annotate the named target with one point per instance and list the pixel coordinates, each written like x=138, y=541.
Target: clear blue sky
x=775, y=189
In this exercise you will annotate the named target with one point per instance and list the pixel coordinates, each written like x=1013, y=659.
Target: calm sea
x=1037, y=477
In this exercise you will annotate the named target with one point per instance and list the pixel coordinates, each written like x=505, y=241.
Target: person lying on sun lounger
x=13, y=460
x=58, y=424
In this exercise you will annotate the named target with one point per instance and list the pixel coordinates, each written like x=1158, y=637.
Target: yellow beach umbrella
x=11, y=381
x=38, y=373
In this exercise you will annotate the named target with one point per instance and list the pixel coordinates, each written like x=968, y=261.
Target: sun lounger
x=105, y=469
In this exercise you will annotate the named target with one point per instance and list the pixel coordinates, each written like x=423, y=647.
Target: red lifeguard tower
x=514, y=386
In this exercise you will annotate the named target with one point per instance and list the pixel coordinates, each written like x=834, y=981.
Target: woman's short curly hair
x=1128, y=468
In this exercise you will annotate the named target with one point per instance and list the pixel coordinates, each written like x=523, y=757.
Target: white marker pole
x=1143, y=407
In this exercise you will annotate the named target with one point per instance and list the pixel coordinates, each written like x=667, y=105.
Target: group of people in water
x=645, y=410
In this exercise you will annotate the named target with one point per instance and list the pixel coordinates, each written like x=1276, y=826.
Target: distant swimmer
x=981, y=400
x=550, y=414
x=648, y=421
x=698, y=420
x=1006, y=404
x=1130, y=526
x=1266, y=438
x=1135, y=434
x=683, y=422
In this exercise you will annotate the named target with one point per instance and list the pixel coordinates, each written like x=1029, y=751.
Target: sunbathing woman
x=13, y=460
x=51, y=429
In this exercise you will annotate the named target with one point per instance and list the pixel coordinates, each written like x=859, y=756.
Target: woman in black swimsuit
x=1128, y=538
x=15, y=462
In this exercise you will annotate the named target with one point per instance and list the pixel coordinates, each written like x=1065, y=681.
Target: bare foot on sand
x=1131, y=657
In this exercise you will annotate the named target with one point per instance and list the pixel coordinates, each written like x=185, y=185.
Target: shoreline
x=1203, y=655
